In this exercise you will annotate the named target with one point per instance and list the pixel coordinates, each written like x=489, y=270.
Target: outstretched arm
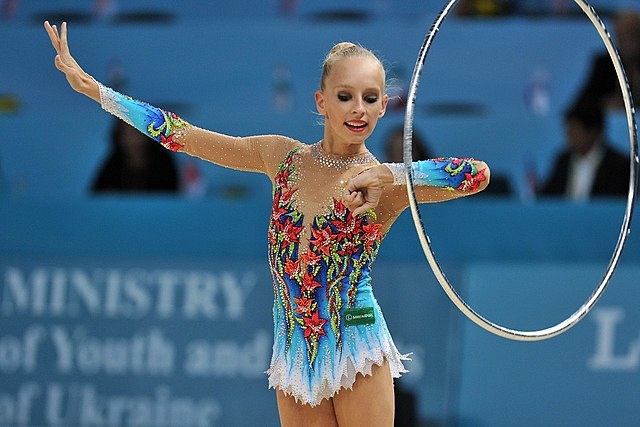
x=257, y=153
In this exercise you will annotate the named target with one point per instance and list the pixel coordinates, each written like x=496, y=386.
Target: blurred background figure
x=588, y=166
x=394, y=153
x=485, y=8
x=282, y=88
x=602, y=84
x=9, y=8
x=135, y=164
x=104, y=10
x=393, y=146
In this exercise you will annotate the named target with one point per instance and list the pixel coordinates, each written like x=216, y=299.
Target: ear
x=385, y=102
x=319, y=97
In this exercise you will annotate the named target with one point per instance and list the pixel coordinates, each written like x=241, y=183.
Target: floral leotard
x=328, y=326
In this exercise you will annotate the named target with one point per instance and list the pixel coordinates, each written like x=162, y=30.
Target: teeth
x=358, y=125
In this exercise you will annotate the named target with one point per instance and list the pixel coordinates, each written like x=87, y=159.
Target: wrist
x=385, y=174
x=393, y=173
x=89, y=87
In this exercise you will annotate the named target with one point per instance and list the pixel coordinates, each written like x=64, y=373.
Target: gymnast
x=333, y=360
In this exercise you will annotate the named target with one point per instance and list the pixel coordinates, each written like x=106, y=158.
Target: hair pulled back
x=346, y=50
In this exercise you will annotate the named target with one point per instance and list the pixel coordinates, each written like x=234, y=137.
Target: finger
x=358, y=198
x=352, y=185
x=64, y=46
x=348, y=201
x=52, y=36
x=60, y=65
x=363, y=208
x=348, y=198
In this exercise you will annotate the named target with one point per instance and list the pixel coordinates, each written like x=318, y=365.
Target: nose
x=358, y=106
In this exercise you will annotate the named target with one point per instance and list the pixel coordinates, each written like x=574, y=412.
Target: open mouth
x=356, y=125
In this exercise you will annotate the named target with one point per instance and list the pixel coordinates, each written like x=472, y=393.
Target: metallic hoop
x=624, y=232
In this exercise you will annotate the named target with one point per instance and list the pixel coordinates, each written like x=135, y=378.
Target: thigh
x=294, y=414
x=370, y=403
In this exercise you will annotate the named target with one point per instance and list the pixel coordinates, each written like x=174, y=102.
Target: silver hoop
x=572, y=320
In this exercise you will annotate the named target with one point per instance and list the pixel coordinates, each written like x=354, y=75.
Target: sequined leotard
x=328, y=327
x=327, y=324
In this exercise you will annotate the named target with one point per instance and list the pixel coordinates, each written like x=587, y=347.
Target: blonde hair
x=347, y=50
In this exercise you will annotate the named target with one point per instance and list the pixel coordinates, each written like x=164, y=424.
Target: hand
x=366, y=188
x=79, y=80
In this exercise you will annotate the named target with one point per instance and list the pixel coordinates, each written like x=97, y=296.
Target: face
x=352, y=100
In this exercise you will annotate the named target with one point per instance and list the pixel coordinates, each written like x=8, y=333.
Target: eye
x=344, y=97
x=371, y=99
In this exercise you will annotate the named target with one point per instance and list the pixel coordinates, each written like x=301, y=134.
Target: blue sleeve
x=451, y=173
x=162, y=126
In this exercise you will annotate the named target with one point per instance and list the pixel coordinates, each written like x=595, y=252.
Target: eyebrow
x=351, y=87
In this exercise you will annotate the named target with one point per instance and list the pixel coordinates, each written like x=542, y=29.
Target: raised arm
x=78, y=79
x=256, y=153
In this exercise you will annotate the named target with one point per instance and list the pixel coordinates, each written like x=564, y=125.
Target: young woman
x=333, y=359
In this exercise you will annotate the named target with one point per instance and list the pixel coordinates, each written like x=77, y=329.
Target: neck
x=341, y=148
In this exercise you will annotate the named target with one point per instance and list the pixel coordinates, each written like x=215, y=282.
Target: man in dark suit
x=602, y=83
x=588, y=167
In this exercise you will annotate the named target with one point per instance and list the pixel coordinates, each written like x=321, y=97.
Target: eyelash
x=368, y=99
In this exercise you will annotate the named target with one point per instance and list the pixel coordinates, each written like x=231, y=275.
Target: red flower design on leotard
x=472, y=182
x=309, y=284
x=305, y=305
x=169, y=143
x=322, y=240
x=292, y=268
x=314, y=284
x=314, y=325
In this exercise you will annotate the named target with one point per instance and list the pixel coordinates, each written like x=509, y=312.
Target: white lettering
x=16, y=353
x=168, y=282
x=17, y=410
x=82, y=405
x=605, y=357
x=136, y=294
x=236, y=293
x=19, y=295
x=148, y=353
x=228, y=358
x=59, y=406
x=132, y=294
x=200, y=295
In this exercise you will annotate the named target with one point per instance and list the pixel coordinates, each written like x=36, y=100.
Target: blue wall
x=170, y=276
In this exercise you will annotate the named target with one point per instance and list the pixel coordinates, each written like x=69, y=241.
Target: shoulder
x=276, y=148
x=613, y=155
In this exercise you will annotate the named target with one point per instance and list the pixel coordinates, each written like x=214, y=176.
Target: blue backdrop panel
x=89, y=287
x=139, y=342
x=145, y=341
x=587, y=376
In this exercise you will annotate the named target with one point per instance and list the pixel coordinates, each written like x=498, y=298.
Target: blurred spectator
x=394, y=146
x=602, y=84
x=136, y=164
x=287, y=7
x=394, y=153
x=9, y=8
x=589, y=166
x=105, y=10
x=406, y=407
